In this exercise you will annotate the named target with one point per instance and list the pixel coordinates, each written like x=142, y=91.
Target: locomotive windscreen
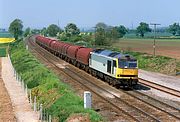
x=127, y=63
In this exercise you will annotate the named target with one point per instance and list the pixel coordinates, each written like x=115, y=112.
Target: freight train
x=113, y=67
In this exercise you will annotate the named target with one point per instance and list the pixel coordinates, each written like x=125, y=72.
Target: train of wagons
x=113, y=67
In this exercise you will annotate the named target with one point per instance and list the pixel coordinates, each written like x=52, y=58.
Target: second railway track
x=160, y=87
x=135, y=108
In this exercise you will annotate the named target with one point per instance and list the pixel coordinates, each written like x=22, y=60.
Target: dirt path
x=6, y=109
x=21, y=106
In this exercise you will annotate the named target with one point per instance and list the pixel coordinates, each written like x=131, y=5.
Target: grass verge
x=56, y=96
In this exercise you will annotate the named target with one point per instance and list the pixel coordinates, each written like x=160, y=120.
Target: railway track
x=74, y=78
x=128, y=104
x=160, y=87
x=171, y=110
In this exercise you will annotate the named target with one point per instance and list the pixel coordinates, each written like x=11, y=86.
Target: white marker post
x=87, y=99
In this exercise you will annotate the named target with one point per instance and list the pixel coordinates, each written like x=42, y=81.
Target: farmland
x=164, y=47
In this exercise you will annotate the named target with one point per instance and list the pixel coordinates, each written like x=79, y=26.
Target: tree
x=122, y=31
x=113, y=33
x=174, y=28
x=101, y=25
x=44, y=32
x=71, y=30
x=35, y=31
x=100, y=36
x=27, y=32
x=53, y=29
x=118, y=31
x=143, y=28
x=16, y=27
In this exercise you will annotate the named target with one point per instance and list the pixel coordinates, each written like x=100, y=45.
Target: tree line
x=103, y=34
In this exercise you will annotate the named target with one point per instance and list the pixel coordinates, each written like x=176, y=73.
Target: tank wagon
x=113, y=67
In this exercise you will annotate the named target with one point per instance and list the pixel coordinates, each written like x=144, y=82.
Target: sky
x=87, y=13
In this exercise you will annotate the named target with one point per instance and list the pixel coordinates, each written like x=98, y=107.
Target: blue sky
x=86, y=13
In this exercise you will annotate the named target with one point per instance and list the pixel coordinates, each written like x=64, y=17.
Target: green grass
x=56, y=97
x=147, y=40
x=148, y=35
x=160, y=64
x=3, y=50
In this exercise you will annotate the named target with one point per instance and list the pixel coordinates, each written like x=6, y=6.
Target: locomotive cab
x=116, y=68
x=127, y=70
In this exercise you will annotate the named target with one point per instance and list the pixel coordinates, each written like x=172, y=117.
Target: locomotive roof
x=112, y=54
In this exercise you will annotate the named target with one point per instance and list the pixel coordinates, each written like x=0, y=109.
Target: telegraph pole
x=154, y=44
x=59, y=27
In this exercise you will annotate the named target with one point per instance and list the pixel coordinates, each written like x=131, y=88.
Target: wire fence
x=38, y=107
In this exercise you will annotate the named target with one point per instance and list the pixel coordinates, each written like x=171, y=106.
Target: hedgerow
x=56, y=96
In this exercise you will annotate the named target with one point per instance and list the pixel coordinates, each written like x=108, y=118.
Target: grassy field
x=5, y=35
x=164, y=47
x=148, y=35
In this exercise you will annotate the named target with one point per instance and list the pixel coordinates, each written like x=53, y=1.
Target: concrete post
x=14, y=72
x=40, y=112
x=26, y=91
x=16, y=76
x=87, y=99
x=22, y=84
x=30, y=97
x=35, y=104
x=47, y=116
x=19, y=78
x=50, y=120
x=44, y=114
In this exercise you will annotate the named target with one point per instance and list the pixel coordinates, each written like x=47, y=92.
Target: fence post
x=26, y=91
x=30, y=97
x=49, y=118
x=40, y=112
x=22, y=84
x=19, y=78
x=34, y=103
x=14, y=72
x=44, y=114
x=16, y=76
